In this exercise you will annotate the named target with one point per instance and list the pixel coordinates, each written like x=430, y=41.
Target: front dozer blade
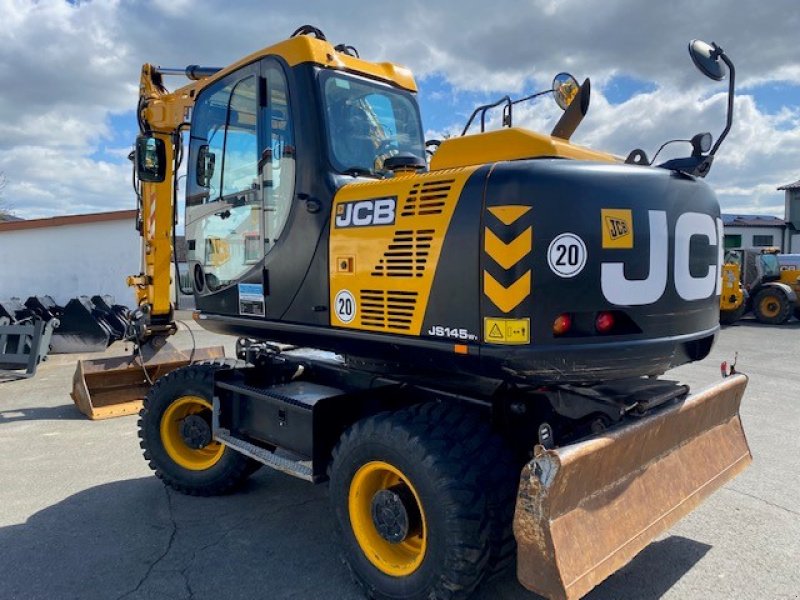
x=585, y=510
x=114, y=387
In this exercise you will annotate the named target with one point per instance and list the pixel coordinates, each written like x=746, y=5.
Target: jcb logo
x=618, y=289
x=616, y=228
x=365, y=213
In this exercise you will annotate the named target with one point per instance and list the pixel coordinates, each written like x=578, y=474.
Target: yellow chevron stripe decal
x=507, y=298
x=507, y=255
x=508, y=213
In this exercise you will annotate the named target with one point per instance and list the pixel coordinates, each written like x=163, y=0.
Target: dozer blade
x=114, y=387
x=585, y=510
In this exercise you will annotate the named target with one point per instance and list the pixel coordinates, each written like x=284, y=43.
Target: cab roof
x=306, y=49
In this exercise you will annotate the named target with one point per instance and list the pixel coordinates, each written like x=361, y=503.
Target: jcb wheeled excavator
x=493, y=322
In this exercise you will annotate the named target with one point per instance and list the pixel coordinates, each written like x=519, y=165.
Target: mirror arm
x=729, y=121
x=531, y=97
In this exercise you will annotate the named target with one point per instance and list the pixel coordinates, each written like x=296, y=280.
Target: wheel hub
x=395, y=513
x=196, y=432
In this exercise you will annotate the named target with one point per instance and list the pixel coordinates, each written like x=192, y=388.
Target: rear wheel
x=175, y=434
x=728, y=317
x=772, y=306
x=410, y=491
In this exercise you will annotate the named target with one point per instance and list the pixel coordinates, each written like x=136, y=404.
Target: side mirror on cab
x=151, y=159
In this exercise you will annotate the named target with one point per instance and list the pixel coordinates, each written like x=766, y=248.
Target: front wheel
x=409, y=491
x=175, y=434
x=771, y=306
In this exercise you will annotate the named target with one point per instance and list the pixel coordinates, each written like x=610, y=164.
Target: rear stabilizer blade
x=585, y=510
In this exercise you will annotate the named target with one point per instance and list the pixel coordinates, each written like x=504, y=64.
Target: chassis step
x=296, y=468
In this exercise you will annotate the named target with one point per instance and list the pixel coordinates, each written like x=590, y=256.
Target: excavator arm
x=110, y=387
x=162, y=115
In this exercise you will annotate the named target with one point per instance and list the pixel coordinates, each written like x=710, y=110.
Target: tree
x=5, y=207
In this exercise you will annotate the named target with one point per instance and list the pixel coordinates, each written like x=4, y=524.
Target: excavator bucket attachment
x=585, y=510
x=114, y=387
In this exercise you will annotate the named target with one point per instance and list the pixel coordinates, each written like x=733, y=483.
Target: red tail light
x=604, y=322
x=562, y=324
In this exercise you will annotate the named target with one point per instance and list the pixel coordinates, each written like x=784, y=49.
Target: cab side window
x=224, y=194
x=277, y=163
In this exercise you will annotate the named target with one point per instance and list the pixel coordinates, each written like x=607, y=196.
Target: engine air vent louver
x=407, y=254
x=427, y=198
x=391, y=310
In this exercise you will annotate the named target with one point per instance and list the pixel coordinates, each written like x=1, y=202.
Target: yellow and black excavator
x=489, y=325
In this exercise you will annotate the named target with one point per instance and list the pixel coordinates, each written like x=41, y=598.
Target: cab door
x=240, y=191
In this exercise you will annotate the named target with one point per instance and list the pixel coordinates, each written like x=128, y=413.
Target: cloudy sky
x=69, y=73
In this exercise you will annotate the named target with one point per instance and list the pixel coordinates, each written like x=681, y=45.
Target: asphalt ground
x=82, y=516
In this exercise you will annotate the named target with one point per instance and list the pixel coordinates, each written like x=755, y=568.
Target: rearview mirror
x=706, y=59
x=151, y=159
x=565, y=88
x=205, y=166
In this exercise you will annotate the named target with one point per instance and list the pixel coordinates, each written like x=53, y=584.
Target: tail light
x=604, y=322
x=562, y=324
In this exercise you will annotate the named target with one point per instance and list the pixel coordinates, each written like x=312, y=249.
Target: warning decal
x=506, y=331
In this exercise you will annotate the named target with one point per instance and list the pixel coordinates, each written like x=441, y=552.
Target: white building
x=792, y=217
x=755, y=231
x=70, y=256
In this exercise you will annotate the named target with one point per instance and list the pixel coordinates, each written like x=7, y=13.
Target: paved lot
x=82, y=517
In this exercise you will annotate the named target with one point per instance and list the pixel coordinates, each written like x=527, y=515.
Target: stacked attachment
x=24, y=339
x=86, y=325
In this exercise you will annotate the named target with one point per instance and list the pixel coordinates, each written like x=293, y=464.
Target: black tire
x=728, y=317
x=771, y=306
x=797, y=313
x=228, y=472
x=445, y=451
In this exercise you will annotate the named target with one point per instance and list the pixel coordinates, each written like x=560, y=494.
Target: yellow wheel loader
x=487, y=327
x=753, y=280
x=733, y=300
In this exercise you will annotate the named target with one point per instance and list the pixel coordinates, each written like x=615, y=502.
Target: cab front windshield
x=368, y=122
x=770, y=265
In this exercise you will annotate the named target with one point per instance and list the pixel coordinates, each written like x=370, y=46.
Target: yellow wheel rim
x=194, y=459
x=769, y=306
x=395, y=559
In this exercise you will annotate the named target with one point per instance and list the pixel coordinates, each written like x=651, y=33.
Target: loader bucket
x=585, y=510
x=114, y=387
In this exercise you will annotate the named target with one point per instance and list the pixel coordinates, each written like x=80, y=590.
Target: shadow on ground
x=63, y=412
x=752, y=322
x=134, y=539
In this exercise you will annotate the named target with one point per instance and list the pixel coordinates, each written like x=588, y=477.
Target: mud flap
x=585, y=510
x=114, y=387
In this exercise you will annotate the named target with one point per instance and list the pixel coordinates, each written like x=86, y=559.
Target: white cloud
x=64, y=69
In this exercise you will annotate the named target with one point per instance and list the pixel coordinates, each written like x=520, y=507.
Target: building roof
x=117, y=215
x=752, y=221
x=791, y=186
